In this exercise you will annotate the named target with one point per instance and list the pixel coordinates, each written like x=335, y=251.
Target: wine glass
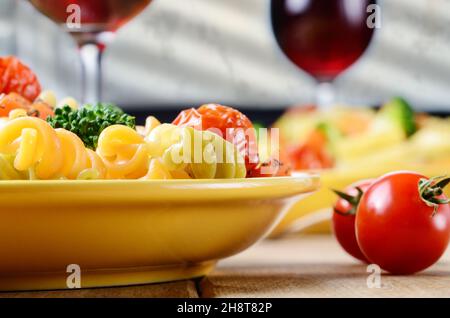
x=322, y=37
x=93, y=24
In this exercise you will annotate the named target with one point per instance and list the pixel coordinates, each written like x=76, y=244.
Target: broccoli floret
x=89, y=121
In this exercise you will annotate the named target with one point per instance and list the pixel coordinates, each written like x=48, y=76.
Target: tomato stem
x=431, y=189
x=352, y=199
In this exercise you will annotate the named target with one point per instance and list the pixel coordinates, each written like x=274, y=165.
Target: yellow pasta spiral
x=169, y=140
x=96, y=164
x=35, y=145
x=75, y=158
x=150, y=124
x=124, y=152
x=157, y=170
x=78, y=161
x=7, y=170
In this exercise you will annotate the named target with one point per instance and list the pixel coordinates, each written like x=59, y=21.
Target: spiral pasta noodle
x=7, y=170
x=75, y=157
x=150, y=124
x=35, y=145
x=184, y=151
x=97, y=168
x=124, y=152
x=31, y=149
x=219, y=159
x=167, y=139
x=78, y=161
x=157, y=170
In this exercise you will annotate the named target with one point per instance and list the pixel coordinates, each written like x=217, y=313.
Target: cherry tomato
x=344, y=217
x=231, y=123
x=400, y=228
x=12, y=101
x=18, y=78
x=312, y=154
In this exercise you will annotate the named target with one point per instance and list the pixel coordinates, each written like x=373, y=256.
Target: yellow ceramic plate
x=132, y=232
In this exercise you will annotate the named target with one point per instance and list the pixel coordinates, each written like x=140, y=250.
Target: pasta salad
x=43, y=139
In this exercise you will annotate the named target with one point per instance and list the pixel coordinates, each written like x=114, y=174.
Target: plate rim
x=140, y=191
x=262, y=180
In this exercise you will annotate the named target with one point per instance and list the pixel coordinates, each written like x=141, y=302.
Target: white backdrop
x=195, y=51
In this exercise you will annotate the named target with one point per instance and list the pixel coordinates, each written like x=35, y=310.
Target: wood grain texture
x=183, y=289
x=306, y=266
x=315, y=266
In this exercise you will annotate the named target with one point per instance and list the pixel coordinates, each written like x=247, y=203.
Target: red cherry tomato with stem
x=403, y=222
x=344, y=216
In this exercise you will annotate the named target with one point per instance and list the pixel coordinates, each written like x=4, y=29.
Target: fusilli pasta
x=35, y=145
x=200, y=154
x=124, y=152
x=78, y=161
x=31, y=149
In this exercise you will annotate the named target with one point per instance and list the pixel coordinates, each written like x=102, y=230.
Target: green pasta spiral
x=202, y=154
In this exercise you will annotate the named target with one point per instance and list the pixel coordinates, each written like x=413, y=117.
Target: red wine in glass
x=322, y=37
x=98, y=22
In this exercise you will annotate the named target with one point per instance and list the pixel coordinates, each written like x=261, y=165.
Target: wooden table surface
x=305, y=266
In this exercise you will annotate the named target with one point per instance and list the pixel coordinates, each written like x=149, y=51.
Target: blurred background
x=187, y=52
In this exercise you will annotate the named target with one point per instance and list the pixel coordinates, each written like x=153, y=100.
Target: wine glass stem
x=91, y=60
x=325, y=95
